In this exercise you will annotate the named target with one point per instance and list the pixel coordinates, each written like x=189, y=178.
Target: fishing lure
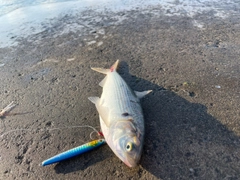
x=74, y=152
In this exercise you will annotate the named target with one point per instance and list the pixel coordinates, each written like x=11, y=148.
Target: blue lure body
x=74, y=152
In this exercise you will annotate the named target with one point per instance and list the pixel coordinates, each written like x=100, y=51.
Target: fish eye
x=129, y=146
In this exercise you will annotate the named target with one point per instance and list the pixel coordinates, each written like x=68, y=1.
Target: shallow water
x=20, y=19
x=6, y=6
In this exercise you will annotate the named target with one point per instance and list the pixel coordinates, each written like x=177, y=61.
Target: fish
x=121, y=116
x=74, y=152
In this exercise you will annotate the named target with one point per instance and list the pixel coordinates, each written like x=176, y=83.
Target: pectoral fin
x=102, y=110
x=142, y=94
x=104, y=113
x=103, y=82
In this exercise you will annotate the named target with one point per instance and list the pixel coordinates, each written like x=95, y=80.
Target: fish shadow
x=183, y=141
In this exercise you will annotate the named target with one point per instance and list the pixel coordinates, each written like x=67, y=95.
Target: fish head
x=126, y=141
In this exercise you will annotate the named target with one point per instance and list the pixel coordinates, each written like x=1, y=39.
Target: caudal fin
x=105, y=71
x=114, y=66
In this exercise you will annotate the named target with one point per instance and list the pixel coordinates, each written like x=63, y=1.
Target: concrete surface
x=191, y=62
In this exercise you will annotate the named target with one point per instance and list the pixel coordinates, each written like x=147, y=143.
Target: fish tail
x=114, y=66
x=105, y=71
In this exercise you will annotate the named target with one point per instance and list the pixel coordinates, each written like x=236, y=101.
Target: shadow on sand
x=182, y=141
x=83, y=161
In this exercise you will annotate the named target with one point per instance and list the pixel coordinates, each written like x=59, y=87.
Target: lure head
x=126, y=141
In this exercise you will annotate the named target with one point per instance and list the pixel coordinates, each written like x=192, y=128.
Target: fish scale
x=118, y=95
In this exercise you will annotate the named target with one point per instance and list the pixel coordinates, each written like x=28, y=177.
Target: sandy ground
x=192, y=117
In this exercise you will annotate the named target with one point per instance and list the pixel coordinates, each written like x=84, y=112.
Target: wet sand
x=191, y=117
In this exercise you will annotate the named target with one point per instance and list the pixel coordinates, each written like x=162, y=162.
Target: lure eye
x=129, y=146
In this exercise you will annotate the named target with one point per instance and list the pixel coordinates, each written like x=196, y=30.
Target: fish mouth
x=130, y=161
x=131, y=164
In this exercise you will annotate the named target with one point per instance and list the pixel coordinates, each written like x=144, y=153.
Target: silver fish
x=121, y=116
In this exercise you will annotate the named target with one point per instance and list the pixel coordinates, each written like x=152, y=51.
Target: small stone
x=192, y=94
x=100, y=43
x=91, y=42
x=193, y=129
x=49, y=123
x=5, y=172
x=70, y=59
